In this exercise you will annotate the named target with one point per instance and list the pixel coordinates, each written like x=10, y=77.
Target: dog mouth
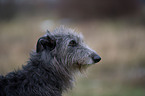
x=83, y=66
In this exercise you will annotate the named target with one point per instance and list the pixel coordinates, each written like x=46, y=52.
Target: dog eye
x=72, y=43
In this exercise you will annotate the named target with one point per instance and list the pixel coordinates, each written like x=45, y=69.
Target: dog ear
x=47, y=42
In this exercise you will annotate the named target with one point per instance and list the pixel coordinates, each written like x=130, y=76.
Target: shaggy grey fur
x=51, y=69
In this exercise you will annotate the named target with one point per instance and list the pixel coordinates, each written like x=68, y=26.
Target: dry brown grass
x=120, y=45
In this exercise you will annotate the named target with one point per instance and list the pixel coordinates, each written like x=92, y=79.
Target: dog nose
x=96, y=58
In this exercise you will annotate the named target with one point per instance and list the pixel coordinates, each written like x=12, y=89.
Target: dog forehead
x=64, y=32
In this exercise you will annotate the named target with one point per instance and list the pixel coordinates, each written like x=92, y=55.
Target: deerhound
x=51, y=68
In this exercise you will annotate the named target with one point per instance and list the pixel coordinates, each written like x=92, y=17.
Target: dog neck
x=49, y=72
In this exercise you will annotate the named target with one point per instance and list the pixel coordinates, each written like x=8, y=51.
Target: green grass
x=92, y=88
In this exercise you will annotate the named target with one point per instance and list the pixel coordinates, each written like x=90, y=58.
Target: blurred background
x=115, y=29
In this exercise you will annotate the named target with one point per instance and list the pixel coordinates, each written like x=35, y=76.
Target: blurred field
x=121, y=46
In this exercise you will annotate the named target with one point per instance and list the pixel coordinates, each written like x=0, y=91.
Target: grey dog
x=51, y=68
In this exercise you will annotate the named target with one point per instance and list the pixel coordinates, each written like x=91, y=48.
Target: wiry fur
x=49, y=72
